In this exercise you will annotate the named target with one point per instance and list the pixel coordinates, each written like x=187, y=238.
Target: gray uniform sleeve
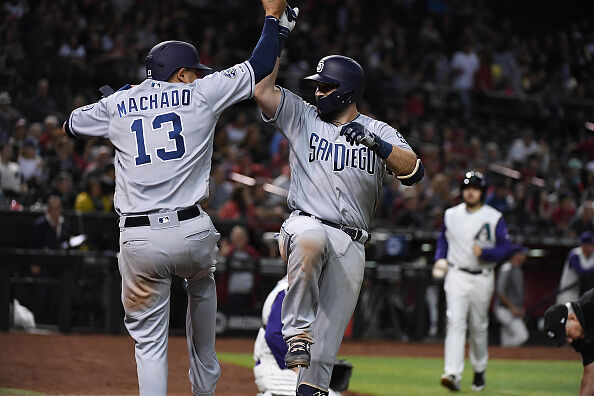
x=290, y=115
x=393, y=137
x=502, y=279
x=89, y=121
x=225, y=88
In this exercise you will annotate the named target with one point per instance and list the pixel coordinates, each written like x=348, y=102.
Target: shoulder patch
x=230, y=72
x=88, y=107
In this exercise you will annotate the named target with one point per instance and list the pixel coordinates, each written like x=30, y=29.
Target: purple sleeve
x=441, y=251
x=574, y=263
x=273, y=335
x=502, y=244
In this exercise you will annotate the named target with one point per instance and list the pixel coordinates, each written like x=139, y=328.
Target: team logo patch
x=320, y=66
x=156, y=85
x=88, y=107
x=230, y=73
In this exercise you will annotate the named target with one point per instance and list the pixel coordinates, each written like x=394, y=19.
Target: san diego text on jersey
x=340, y=155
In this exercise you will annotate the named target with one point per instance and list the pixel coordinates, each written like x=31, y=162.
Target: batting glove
x=286, y=23
x=356, y=134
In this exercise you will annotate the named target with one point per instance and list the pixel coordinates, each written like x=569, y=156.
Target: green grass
x=387, y=376
x=12, y=391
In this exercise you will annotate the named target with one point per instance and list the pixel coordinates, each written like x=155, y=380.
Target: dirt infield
x=101, y=364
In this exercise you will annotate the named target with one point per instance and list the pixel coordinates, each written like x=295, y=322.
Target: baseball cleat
x=450, y=382
x=478, y=383
x=298, y=354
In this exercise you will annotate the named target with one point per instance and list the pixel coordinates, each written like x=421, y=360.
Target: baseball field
x=100, y=364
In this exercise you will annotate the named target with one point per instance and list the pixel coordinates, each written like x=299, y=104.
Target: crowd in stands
x=55, y=54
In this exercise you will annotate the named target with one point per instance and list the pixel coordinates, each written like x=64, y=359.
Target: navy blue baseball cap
x=587, y=237
x=166, y=57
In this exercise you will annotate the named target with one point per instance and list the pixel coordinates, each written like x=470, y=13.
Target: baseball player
x=162, y=130
x=473, y=239
x=338, y=159
x=574, y=322
x=579, y=263
x=272, y=375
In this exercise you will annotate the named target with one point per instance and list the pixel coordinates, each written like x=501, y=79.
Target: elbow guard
x=415, y=176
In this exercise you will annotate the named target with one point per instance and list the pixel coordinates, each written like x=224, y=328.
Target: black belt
x=469, y=271
x=356, y=234
x=183, y=214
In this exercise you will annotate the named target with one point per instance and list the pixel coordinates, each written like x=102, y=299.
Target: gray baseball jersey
x=330, y=178
x=163, y=136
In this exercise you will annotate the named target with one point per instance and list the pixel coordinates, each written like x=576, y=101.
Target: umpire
x=574, y=322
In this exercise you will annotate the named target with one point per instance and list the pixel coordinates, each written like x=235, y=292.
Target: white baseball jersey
x=163, y=136
x=576, y=264
x=463, y=229
x=330, y=178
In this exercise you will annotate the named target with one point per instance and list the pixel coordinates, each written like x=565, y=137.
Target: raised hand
x=274, y=7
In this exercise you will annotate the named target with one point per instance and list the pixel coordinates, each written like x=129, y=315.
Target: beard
x=473, y=205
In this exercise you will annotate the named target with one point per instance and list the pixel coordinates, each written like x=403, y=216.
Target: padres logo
x=229, y=73
x=320, y=66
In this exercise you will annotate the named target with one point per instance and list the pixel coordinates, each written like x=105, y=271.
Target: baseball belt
x=471, y=271
x=182, y=214
x=356, y=234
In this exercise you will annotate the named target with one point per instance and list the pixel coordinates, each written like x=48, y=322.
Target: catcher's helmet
x=474, y=179
x=166, y=57
x=344, y=72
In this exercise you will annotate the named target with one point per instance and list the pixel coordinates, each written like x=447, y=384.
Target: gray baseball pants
x=325, y=269
x=149, y=256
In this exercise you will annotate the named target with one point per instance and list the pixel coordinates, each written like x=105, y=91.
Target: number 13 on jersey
x=175, y=134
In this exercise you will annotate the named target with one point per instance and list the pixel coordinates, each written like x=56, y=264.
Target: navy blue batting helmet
x=475, y=179
x=347, y=74
x=166, y=57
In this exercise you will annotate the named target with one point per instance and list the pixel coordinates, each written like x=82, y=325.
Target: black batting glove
x=356, y=134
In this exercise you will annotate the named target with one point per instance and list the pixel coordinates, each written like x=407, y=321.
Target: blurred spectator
x=50, y=231
x=583, y=221
x=239, y=254
x=237, y=129
x=11, y=180
x=267, y=208
x=220, y=188
x=61, y=159
x=522, y=148
x=239, y=206
x=63, y=188
x=499, y=199
x=579, y=263
x=509, y=300
x=464, y=66
x=93, y=199
x=31, y=164
x=563, y=213
x=41, y=104
x=8, y=115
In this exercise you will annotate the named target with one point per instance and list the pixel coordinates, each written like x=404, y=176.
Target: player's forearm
x=265, y=54
x=587, y=384
x=401, y=162
x=267, y=95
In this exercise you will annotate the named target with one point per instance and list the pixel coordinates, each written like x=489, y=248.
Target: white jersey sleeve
x=89, y=121
x=225, y=88
x=291, y=114
x=392, y=136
